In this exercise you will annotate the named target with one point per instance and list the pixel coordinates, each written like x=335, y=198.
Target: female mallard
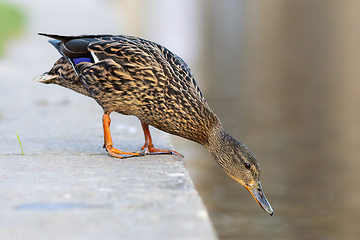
x=134, y=76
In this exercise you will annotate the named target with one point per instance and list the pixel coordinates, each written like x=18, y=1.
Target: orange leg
x=108, y=144
x=149, y=148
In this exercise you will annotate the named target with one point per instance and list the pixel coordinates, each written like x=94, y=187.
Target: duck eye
x=247, y=165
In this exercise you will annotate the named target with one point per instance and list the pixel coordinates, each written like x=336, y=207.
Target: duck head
x=239, y=163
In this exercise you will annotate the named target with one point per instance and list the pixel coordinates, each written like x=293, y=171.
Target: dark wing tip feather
x=56, y=36
x=67, y=38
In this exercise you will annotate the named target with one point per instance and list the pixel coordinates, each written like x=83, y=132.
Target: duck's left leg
x=149, y=148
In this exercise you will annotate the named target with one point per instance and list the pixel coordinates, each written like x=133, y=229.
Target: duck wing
x=125, y=50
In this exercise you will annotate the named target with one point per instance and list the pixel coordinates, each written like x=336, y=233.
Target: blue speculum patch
x=80, y=60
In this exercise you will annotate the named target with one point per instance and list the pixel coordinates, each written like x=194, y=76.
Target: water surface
x=284, y=80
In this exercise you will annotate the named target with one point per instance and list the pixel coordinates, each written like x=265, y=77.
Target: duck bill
x=257, y=193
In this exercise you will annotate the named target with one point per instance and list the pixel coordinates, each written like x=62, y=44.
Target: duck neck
x=221, y=146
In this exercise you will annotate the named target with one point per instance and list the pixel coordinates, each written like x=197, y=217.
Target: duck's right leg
x=108, y=144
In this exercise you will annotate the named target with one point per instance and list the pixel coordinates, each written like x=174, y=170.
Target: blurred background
x=283, y=77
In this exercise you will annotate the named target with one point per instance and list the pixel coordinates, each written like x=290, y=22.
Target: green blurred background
x=282, y=75
x=12, y=21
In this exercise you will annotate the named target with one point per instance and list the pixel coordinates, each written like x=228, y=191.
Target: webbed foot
x=153, y=150
x=120, y=154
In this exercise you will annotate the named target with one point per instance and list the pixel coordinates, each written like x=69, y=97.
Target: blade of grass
x=22, y=151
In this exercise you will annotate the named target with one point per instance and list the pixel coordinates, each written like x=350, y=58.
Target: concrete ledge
x=57, y=196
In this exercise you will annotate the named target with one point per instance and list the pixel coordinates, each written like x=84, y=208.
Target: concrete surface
x=66, y=186
x=58, y=196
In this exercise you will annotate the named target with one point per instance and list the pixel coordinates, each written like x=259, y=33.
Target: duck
x=134, y=76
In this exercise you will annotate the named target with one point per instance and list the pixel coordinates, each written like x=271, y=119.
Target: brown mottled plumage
x=134, y=76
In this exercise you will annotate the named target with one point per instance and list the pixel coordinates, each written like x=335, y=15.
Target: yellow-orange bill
x=257, y=193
